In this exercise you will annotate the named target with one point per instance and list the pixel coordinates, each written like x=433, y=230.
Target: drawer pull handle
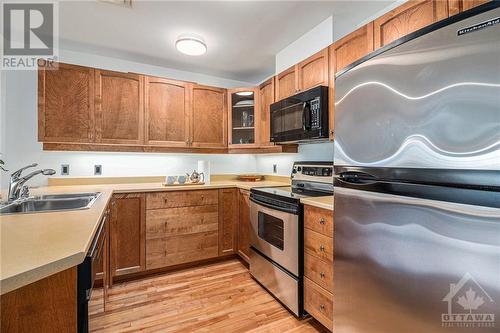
x=321, y=307
x=322, y=275
x=322, y=248
x=321, y=221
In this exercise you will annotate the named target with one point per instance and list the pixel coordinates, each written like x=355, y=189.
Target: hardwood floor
x=219, y=297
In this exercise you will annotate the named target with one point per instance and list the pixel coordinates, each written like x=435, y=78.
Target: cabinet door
x=313, y=71
x=244, y=117
x=244, y=226
x=127, y=236
x=286, y=83
x=352, y=47
x=168, y=106
x=209, y=117
x=119, y=107
x=266, y=94
x=66, y=104
x=407, y=18
x=228, y=221
x=458, y=6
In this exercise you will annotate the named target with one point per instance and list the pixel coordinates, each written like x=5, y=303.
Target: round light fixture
x=191, y=45
x=245, y=93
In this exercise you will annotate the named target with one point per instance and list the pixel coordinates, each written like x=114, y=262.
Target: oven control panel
x=313, y=171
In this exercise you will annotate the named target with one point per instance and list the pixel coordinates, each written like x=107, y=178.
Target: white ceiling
x=242, y=36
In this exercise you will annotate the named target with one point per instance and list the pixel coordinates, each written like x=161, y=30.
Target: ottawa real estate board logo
x=29, y=35
x=469, y=305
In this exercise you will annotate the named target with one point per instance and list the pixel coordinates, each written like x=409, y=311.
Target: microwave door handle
x=306, y=116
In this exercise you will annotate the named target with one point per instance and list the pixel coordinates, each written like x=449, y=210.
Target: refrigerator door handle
x=356, y=177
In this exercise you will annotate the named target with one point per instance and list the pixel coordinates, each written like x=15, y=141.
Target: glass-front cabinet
x=243, y=117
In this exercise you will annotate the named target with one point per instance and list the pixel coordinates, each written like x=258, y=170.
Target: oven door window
x=272, y=230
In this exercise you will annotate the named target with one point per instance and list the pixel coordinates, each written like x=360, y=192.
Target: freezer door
x=433, y=102
x=414, y=265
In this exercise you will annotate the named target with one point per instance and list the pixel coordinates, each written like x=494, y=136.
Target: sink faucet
x=16, y=185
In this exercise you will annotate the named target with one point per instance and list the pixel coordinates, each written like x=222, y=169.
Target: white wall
x=311, y=42
x=19, y=127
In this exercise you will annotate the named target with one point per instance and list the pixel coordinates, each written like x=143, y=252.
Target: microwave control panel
x=315, y=105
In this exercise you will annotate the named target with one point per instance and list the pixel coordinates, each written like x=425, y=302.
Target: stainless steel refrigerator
x=417, y=182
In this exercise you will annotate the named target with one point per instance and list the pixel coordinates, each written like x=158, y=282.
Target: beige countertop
x=320, y=202
x=34, y=246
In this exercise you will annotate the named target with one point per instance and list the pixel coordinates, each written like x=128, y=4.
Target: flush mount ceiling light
x=245, y=93
x=191, y=45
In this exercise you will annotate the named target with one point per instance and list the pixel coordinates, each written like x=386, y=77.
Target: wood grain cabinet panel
x=286, y=83
x=228, y=220
x=266, y=94
x=352, y=47
x=318, y=245
x=119, y=107
x=167, y=107
x=66, y=104
x=319, y=303
x=458, y=6
x=313, y=71
x=319, y=271
x=127, y=234
x=407, y=18
x=181, y=199
x=181, y=221
x=179, y=249
x=244, y=226
x=209, y=117
x=319, y=220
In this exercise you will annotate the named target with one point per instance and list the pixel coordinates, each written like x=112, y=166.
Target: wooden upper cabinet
x=286, y=83
x=66, y=104
x=313, y=71
x=458, y=6
x=127, y=234
x=266, y=94
x=119, y=107
x=407, y=18
x=209, y=117
x=167, y=107
x=350, y=48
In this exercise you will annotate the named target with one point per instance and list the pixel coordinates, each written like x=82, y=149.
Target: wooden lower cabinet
x=318, y=264
x=188, y=226
x=127, y=234
x=244, y=225
x=228, y=217
x=318, y=303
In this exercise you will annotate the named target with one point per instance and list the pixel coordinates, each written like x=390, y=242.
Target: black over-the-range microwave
x=301, y=118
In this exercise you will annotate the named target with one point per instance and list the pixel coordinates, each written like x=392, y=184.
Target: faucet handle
x=17, y=173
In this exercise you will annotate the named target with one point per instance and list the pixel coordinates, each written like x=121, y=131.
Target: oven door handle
x=282, y=209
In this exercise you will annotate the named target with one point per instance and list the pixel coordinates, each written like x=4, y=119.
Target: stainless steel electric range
x=276, y=231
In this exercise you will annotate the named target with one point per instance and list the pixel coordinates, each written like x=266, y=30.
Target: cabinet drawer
x=319, y=220
x=318, y=303
x=181, y=221
x=319, y=271
x=181, y=199
x=168, y=251
x=318, y=245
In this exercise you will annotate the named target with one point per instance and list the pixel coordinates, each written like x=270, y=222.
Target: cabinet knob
x=113, y=203
x=322, y=275
x=322, y=248
x=321, y=221
x=321, y=307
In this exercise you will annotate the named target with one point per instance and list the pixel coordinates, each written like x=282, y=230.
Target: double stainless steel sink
x=51, y=203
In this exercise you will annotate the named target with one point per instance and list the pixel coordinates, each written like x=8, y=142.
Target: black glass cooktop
x=288, y=192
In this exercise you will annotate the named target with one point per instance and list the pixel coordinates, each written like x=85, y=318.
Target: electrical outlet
x=97, y=170
x=64, y=169
x=275, y=168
